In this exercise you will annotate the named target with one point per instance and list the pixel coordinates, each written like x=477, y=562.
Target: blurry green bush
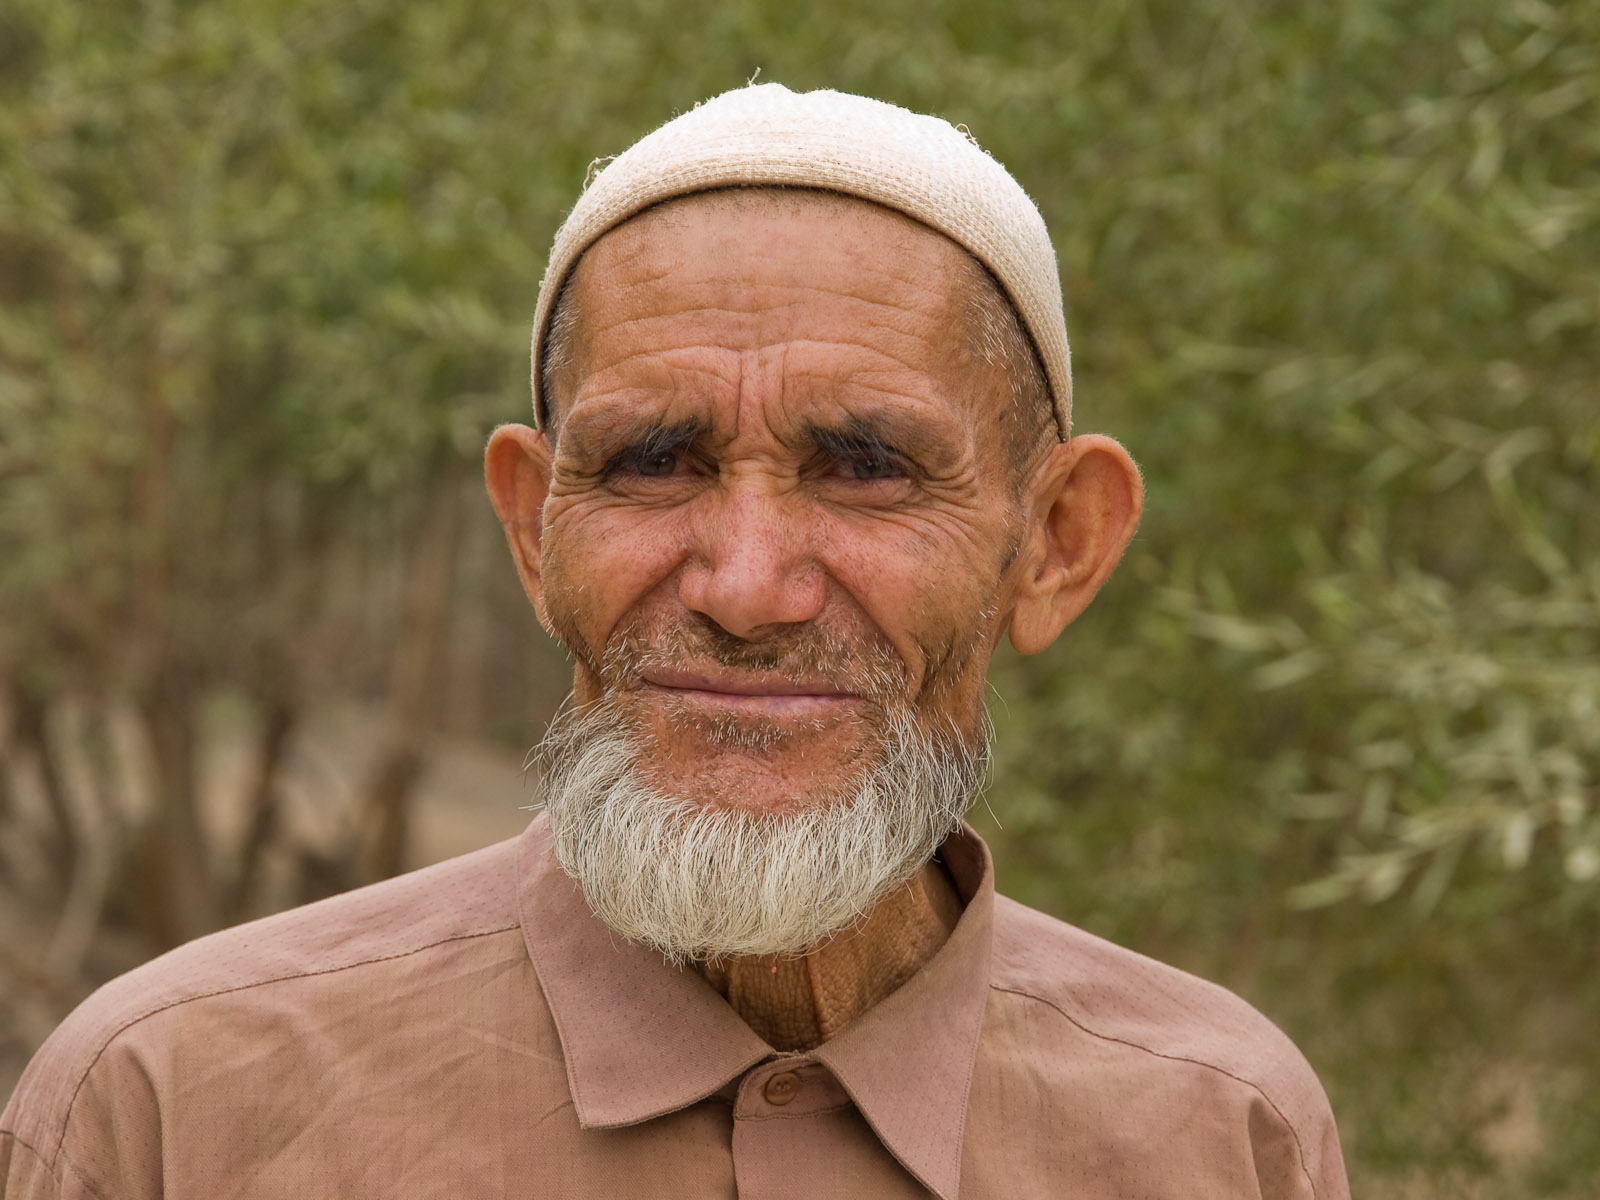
x=1331, y=272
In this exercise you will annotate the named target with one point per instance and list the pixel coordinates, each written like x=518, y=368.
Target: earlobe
x=1086, y=501
x=516, y=470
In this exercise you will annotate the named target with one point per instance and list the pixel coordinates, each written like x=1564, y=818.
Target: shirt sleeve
x=24, y=1175
x=83, y=1123
x=1296, y=1162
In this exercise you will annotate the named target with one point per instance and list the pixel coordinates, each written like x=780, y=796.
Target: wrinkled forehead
x=732, y=234
x=725, y=233
x=857, y=230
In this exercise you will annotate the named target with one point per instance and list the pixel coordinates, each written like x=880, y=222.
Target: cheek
x=600, y=562
x=931, y=594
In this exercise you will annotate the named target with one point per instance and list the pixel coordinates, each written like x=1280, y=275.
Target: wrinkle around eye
x=871, y=468
x=630, y=473
x=844, y=491
x=602, y=450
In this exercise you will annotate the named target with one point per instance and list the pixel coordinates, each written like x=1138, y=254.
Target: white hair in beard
x=704, y=883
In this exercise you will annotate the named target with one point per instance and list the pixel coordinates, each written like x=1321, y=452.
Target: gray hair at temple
x=767, y=137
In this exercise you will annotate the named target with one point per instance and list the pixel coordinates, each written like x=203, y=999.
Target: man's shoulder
x=387, y=924
x=1112, y=992
x=1157, y=1020
x=462, y=898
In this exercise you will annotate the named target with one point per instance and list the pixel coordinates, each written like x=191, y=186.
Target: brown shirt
x=471, y=1030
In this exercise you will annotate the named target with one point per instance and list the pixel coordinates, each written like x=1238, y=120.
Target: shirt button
x=782, y=1088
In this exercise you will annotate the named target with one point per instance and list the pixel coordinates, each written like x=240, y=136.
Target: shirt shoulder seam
x=114, y=1034
x=1299, y=1146
x=51, y=1165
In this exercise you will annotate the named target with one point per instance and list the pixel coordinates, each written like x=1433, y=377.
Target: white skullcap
x=918, y=165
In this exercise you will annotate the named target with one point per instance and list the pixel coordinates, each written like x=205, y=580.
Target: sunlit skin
x=775, y=463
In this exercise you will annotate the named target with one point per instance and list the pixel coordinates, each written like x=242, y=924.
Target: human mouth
x=753, y=694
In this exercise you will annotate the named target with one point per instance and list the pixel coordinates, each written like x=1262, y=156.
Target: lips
x=752, y=694
x=811, y=673
x=729, y=683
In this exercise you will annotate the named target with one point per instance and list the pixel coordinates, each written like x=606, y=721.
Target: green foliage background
x=1332, y=273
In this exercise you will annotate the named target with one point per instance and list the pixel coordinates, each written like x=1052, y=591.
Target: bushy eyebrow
x=856, y=437
x=639, y=442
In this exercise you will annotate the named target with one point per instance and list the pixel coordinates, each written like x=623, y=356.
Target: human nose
x=753, y=569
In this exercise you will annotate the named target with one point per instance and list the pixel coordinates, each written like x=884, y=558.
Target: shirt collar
x=642, y=1038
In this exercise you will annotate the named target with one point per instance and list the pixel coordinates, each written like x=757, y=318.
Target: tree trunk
x=383, y=817
x=30, y=731
x=187, y=902
x=262, y=805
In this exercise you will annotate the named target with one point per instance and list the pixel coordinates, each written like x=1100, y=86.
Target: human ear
x=1086, y=497
x=516, y=470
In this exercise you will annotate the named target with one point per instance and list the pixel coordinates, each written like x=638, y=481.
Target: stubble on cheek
x=958, y=659
x=563, y=606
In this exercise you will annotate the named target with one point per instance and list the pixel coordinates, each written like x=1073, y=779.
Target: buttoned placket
x=870, y=1112
x=797, y=1132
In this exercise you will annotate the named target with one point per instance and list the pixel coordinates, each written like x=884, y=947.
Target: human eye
x=658, y=453
x=870, y=463
x=859, y=455
x=656, y=464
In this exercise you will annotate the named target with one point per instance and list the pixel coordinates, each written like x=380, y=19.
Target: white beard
x=703, y=883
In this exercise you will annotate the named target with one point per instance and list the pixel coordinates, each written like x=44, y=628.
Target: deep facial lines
x=864, y=665
x=639, y=451
x=770, y=383
x=751, y=324
x=863, y=448
x=872, y=448
x=820, y=678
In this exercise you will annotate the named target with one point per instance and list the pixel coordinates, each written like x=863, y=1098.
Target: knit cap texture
x=918, y=165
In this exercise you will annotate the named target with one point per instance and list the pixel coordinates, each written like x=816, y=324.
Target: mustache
x=865, y=664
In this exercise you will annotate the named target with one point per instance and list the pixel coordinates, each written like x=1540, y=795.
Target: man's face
x=781, y=507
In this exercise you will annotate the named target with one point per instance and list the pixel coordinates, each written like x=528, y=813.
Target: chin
x=757, y=783
x=760, y=766
x=718, y=853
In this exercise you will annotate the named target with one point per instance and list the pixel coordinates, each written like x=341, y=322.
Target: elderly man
x=802, y=393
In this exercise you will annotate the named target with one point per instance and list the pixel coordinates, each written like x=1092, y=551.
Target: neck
x=799, y=1002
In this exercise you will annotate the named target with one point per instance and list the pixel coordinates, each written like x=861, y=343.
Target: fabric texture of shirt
x=472, y=1030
